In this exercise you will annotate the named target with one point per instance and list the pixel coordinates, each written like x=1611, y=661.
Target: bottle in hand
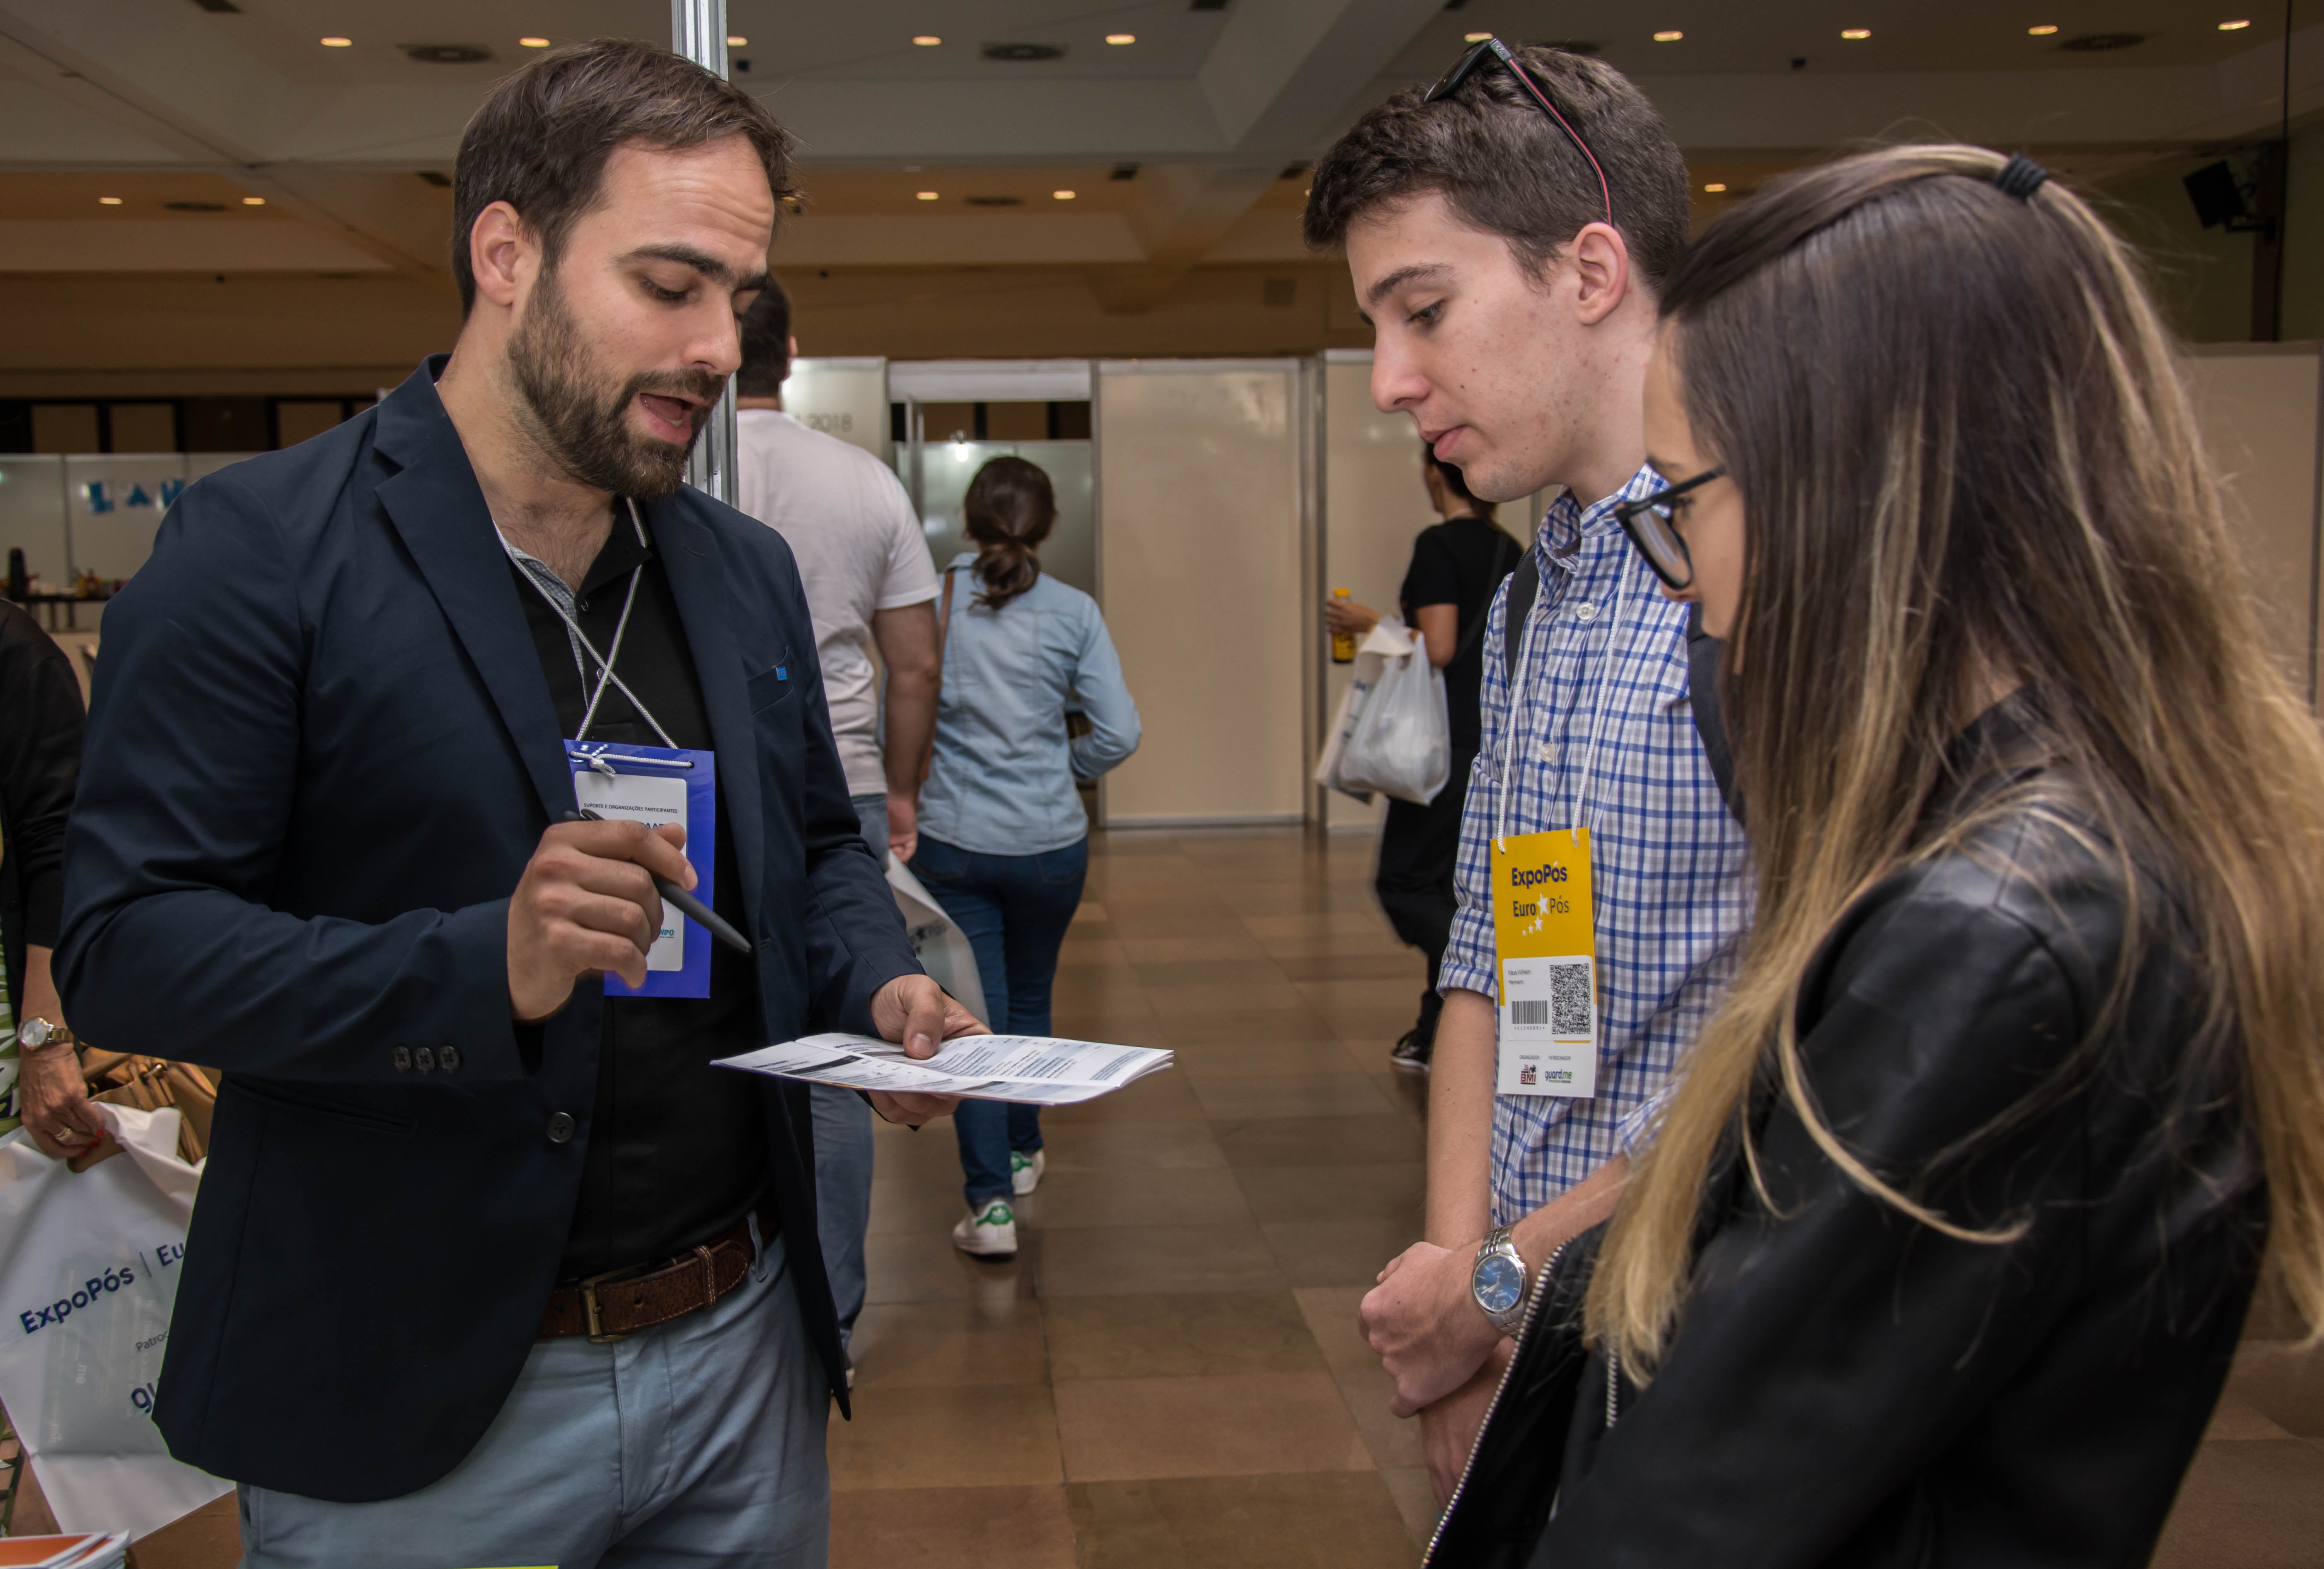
x=1343, y=643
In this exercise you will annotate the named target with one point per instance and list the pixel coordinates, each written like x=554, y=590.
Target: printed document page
x=1036, y=1070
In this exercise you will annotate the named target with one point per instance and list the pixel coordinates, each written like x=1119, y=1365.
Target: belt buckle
x=597, y=1335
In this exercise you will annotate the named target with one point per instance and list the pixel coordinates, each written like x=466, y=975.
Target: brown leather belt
x=619, y=1303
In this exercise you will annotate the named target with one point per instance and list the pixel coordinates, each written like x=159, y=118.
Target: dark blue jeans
x=1013, y=909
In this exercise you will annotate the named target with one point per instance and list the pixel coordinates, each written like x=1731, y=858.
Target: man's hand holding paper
x=915, y=1012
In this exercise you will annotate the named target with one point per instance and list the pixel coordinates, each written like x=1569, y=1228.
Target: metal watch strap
x=58, y=1035
x=1510, y=1320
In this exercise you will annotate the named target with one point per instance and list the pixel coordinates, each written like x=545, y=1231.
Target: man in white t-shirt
x=869, y=582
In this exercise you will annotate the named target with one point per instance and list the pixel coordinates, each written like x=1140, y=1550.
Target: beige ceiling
x=164, y=100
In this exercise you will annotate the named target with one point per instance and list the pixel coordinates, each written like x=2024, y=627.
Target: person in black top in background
x=1457, y=566
x=39, y=764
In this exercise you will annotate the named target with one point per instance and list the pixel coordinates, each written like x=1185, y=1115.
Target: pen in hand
x=684, y=903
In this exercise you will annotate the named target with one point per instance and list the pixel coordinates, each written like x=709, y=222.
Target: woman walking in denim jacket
x=1004, y=843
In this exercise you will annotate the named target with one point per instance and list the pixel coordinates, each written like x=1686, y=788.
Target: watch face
x=1499, y=1283
x=36, y=1032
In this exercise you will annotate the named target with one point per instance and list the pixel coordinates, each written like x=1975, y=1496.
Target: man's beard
x=582, y=430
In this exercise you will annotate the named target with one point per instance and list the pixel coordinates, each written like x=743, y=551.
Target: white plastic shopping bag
x=941, y=946
x=1393, y=734
x=89, y=1271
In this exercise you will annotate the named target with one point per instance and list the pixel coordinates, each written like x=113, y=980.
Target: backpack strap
x=1485, y=613
x=943, y=627
x=1702, y=651
x=1525, y=586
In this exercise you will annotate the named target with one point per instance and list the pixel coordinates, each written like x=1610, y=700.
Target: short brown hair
x=766, y=344
x=541, y=141
x=1506, y=169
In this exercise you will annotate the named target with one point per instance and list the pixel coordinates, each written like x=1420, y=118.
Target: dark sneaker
x=1412, y=1052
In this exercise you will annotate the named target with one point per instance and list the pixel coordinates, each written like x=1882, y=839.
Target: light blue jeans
x=698, y=1441
x=842, y=1146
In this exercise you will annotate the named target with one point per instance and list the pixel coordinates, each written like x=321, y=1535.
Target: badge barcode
x=1533, y=1014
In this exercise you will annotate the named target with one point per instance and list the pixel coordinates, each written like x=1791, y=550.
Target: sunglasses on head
x=1493, y=50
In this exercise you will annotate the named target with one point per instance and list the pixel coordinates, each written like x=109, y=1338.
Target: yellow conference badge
x=1545, y=942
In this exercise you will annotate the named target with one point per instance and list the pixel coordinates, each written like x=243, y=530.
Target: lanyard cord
x=581, y=639
x=1509, y=733
x=1598, y=709
x=597, y=696
x=1597, y=716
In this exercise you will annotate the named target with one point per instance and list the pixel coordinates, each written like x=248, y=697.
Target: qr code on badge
x=1569, y=998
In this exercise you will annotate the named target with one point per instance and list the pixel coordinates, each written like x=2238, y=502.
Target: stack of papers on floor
x=88, y=1550
x=1034, y=1069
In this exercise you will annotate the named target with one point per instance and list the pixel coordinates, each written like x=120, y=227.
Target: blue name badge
x=654, y=785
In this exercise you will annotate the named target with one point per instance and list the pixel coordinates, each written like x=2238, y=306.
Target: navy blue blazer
x=319, y=754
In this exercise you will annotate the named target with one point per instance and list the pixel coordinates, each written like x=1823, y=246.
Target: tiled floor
x=1169, y=1374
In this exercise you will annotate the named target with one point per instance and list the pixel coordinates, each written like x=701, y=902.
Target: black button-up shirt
x=678, y=1148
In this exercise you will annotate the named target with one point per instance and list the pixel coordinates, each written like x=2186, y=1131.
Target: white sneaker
x=1023, y=1171
x=989, y=1231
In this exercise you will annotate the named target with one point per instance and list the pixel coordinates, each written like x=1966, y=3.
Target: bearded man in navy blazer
x=489, y=1267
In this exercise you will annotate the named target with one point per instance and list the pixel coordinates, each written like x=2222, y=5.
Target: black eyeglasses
x=1493, y=48
x=1647, y=521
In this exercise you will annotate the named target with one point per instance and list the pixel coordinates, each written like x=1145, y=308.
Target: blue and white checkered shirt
x=1667, y=861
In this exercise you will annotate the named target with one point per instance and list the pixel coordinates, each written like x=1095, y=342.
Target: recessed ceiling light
x=2235, y=27
x=336, y=42
x=2044, y=30
x=1063, y=195
x=1475, y=37
x=927, y=195
x=927, y=39
x=109, y=202
x=1715, y=187
x=1122, y=38
x=1671, y=36
x=1856, y=32
x=254, y=201
x=533, y=42
x=736, y=40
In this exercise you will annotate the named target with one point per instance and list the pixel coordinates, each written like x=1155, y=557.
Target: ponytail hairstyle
x=1009, y=510
x=1965, y=444
x=1455, y=483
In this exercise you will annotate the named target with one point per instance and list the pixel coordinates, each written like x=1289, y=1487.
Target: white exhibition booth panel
x=2260, y=406
x=93, y=511
x=846, y=398
x=1201, y=571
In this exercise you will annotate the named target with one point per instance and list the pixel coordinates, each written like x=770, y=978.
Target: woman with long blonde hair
x=1947, y=1231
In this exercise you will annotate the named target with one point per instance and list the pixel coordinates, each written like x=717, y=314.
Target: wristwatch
x=1498, y=1282
x=40, y=1032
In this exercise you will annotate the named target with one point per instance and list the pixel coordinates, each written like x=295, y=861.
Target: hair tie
x=2021, y=177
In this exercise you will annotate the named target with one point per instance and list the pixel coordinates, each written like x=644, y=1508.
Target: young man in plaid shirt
x=1507, y=232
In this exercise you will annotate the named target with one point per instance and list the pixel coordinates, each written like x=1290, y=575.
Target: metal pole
x=698, y=31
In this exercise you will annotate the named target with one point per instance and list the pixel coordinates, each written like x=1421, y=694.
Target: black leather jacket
x=1848, y=1387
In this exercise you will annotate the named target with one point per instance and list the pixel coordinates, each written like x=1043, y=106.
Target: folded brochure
x=1034, y=1069
x=84, y=1550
